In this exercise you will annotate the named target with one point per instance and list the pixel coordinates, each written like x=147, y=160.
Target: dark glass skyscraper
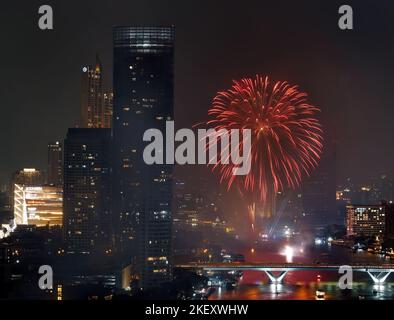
x=143, y=99
x=86, y=208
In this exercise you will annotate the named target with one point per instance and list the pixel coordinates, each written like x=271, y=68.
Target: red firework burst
x=286, y=135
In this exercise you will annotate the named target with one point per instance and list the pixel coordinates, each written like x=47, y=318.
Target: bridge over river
x=378, y=273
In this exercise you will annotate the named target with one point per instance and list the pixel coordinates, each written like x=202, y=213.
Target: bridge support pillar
x=275, y=278
x=379, y=277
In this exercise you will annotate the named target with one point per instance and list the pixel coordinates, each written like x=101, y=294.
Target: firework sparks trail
x=286, y=136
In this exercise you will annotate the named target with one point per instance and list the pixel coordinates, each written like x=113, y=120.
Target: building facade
x=366, y=220
x=92, y=110
x=38, y=205
x=87, y=223
x=55, y=164
x=108, y=108
x=142, y=194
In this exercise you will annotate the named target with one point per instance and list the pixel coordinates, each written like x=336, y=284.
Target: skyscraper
x=142, y=194
x=86, y=218
x=108, y=109
x=55, y=163
x=92, y=110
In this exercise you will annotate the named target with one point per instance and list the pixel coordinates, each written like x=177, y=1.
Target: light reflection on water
x=302, y=285
x=300, y=291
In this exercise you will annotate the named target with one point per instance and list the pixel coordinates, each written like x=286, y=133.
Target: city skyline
x=112, y=187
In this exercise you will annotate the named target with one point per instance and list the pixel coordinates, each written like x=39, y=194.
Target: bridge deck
x=239, y=266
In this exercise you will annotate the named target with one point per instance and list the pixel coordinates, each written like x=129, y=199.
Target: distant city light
x=318, y=241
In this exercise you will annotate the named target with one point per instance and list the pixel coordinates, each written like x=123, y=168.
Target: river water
x=302, y=285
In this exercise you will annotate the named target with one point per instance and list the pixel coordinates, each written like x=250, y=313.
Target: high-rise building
x=108, y=109
x=365, y=220
x=38, y=205
x=86, y=208
x=142, y=194
x=55, y=164
x=92, y=110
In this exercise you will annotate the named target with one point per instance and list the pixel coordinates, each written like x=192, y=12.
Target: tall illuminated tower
x=143, y=99
x=92, y=110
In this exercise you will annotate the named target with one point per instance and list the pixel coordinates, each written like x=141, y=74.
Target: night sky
x=348, y=74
